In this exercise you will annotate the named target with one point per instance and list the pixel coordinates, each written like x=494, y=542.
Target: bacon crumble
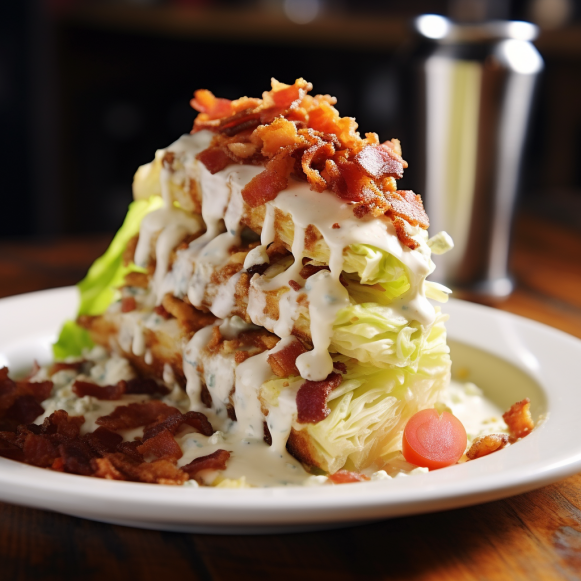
x=57, y=444
x=518, y=419
x=486, y=445
x=283, y=361
x=293, y=133
x=346, y=477
x=215, y=461
x=312, y=399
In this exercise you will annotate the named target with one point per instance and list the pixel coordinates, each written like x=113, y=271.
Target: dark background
x=90, y=89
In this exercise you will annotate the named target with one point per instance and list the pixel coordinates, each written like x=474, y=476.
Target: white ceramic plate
x=508, y=356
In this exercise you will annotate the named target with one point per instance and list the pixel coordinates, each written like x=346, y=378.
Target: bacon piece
x=278, y=135
x=8, y=389
x=157, y=472
x=39, y=390
x=105, y=392
x=316, y=152
x=135, y=415
x=171, y=424
x=345, y=477
x=130, y=450
x=77, y=457
x=518, y=419
x=325, y=118
x=409, y=206
x=160, y=310
x=258, y=269
x=379, y=161
x=143, y=386
x=285, y=97
x=403, y=236
x=359, y=187
x=24, y=410
x=205, y=102
x=161, y=471
x=309, y=269
x=215, y=461
x=60, y=423
x=128, y=304
x=283, y=362
x=294, y=285
x=199, y=422
x=239, y=122
x=162, y=445
x=312, y=399
x=487, y=445
x=267, y=184
x=214, y=158
x=39, y=451
x=103, y=441
x=61, y=366
x=9, y=447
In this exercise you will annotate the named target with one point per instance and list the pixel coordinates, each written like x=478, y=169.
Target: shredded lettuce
x=377, y=267
x=99, y=288
x=377, y=334
x=371, y=406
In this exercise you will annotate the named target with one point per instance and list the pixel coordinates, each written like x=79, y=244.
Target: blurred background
x=90, y=88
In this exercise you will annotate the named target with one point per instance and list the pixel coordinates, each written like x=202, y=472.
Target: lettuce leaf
x=377, y=267
x=99, y=288
x=377, y=334
x=370, y=408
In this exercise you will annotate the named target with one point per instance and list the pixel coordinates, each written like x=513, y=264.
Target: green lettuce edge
x=99, y=287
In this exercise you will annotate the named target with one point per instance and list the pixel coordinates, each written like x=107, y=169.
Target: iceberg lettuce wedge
x=371, y=406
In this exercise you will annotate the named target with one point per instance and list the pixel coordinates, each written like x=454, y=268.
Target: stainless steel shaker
x=475, y=85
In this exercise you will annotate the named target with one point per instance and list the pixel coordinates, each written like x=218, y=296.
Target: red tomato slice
x=433, y=440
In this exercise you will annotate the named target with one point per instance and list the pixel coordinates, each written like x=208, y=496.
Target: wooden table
x=531, y=536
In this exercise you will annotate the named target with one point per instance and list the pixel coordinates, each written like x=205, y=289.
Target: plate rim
x=211, y=507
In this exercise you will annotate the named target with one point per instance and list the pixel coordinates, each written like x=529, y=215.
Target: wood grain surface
x=533, y=536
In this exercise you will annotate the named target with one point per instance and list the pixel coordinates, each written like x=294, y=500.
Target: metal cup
x=475, y=85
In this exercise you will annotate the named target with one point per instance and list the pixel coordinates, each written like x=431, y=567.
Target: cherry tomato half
x=433, y=440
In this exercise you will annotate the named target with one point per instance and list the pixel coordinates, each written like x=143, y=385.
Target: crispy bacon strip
x=487, y=445
x=162, y=445
x=346, y=477
x=214, y=158
x=294, y=132
x=518, y=419
x=135, y=415
x=283, y=362
x=407, y=205
x=103, y=441
x=60, y=423
x=215, y=461
x=105, y=392
x=379, y=161
x=128, y=304
x=199, y=422
x=213, y=107
x=139, y=386
x=312, y=399
x=266, y=185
